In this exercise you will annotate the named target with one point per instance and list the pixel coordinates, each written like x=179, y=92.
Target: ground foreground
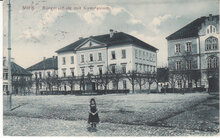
x=120, y=115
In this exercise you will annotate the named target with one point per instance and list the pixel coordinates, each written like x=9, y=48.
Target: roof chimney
x=111, y=33
x=44, y=58
x=80, y=38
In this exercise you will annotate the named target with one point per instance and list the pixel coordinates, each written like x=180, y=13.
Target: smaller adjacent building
x=21, y=78
x=40, y=71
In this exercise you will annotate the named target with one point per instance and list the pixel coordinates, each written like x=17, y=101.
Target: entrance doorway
x=213, y=84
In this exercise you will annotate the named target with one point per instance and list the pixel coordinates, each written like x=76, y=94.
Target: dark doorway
x=93, y=86
x=213, y=84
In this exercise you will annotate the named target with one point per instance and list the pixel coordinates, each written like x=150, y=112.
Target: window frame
x=177, y=48
x=72, y=59
x=123, y=53
x=82, y=58
x=113, y=53
x=63, y=60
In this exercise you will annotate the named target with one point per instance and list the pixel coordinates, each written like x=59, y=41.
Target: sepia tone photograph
x=110, y=68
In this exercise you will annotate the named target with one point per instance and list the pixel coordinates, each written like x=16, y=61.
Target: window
x=209, y=63
x=91, y=57
x=212, y=62
x=210, y=29
x=4, y=62
x=5, y=76
x=211, y=43
x=123, y=68
x=177, y=47
x=144, y=69
x=136, y=66
x=113, y=68
x=215, y=62
x=136, y=53
x=82, y=58
x=5, y=88
x=179, y=84
x=64, y=60
x=91, y=70
x=100, y=70
x=100, y=56
x=178, y=65
x=72, y=71
x=113, y=55
x=140, y=54
x=123, y=52
x=64, y=72
x=147, y=56
x=147, y=68
x=154, y=68
x=189, y=64
x=140, y=67
x=124, y=84
x=83, y=71
x=143, y=55
x=72, y=59
x=188, y=47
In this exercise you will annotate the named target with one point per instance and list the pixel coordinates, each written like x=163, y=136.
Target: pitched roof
x=118, y=38
x=190, y=30
x=17, y=70
x=49, y=63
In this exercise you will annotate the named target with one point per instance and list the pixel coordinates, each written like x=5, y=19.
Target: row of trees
x=135, y=78
x=22, y=85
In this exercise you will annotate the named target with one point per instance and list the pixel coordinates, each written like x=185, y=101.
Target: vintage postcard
x=110, y=68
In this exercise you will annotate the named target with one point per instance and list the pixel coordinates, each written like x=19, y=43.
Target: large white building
x=114, y=51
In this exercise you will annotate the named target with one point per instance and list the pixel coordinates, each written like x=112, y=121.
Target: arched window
x=212, y=62
x=209, y=62
x=211, y=43
x=210, y=29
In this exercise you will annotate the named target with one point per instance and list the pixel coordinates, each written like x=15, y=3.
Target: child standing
x=93, y=114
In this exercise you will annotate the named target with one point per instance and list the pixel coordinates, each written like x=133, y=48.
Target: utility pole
x=9, y=58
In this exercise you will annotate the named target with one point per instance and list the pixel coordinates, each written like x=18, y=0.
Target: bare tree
x=151, y=78
x=141, y=79
x=131, y=75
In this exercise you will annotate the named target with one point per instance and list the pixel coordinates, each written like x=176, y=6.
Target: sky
x=40, y=27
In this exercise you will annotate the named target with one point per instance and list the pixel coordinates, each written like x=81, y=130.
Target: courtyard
x=120, y=115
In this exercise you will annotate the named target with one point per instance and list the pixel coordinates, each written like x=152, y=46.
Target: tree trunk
x=140, y=87
x=149, y=88
x=132, y=85
x=105, y=89
x=117, y=87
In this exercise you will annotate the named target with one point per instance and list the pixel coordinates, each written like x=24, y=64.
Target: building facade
x=193, y=53
x=21, y=78
x=114, y=52
x=41, y=71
